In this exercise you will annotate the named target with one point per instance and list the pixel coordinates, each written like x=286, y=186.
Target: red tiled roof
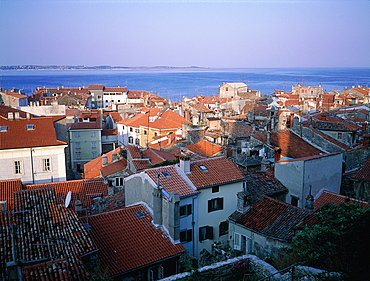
x=205, y=148
x=4, y=110
x=291, y=145
x=92, y=168
x=84, y=125
x=96, y=87
x=115, y=116
x=220, y=170
x=141, y=164
x=115, y=89
x=137, y=94
x=14, y=95
x=328, y=197
x=273, y=218
x=173, y=182
x=114, y=167
x=158, y=156
x=7, y=189
x=134, y=151
x=42, y=134
x=107, y=132
x=364, y=172
x=84, y=190
x=128, y=242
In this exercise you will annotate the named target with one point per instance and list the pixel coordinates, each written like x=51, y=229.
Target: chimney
x=185, y=164
x=10, y=116
x=16, y=116
x=104, y=160
x=174, y=216
x=277, y=155
x=28, y=116
x=157, y=204
x=114, y=156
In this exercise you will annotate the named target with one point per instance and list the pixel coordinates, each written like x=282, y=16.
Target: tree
x=340, y=242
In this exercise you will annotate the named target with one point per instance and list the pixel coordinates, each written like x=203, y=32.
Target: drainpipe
x=32, y=170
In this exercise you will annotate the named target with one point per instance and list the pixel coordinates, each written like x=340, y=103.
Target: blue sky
x=239, y=33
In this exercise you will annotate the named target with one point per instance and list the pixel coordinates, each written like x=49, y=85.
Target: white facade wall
x=54, y=153
x=110, y=98
x=229, y=194
x=128, y=135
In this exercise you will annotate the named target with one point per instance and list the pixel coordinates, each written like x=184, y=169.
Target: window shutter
x=221, y=203
x=209, y=233
x=210, y=209
x=236, y=241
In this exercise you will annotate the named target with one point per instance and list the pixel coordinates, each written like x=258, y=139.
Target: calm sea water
x=176, y=83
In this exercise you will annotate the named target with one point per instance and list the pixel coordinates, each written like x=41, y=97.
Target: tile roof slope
x=134, y=151
x=7, y=189
x=172, y=183
x=364, y=172
x=5, y=109
x=114, y=167
x=328, y=197
x=141, y=164
x=84, y=190
x=220, y=170
x=158, y=156
x=92, y=168
x=14, y=94
x=169, y=120
x=128, y=242
x=42, y=134
x=273, y=218
x=238, y=129
x=55, y=229
x=291, y=145
x=205, y=148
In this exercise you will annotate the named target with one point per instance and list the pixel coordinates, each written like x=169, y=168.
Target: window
x=18, y=167
x=236, y=241
x=205, y=232
x=155, y=134
x=166, y=174
x=215, y=189
x=46, y=164
x=215, y=204
x=294, y=201
x=93, y=144
x=137, y=131
x=186, y=235
x=155, y=273
x=78, y=144
x=119, y=181
x=93, y=134
x=145, y=132
x=3, y=128
x=130, y=140
x=223, y=228
x=203, y=168
x=185, y=210
x=137, y=141
x=94, y=154
x=339, y=136
x=77, y=134
x=131, y=129
x=30, y=127
x=78, y=155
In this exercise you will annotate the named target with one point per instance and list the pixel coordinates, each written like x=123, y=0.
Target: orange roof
x=14, y=94
x=7, y=189
x=171, y=180
x=84, y=190
x=92, y=168
x=205, y=148
x=96, y=87
x=4, y=110
x=364, y=172
x=219, y=170
x=328, y=197
x=115, y=89
x=133, y=241
x=134, y=151
x=114, y=167
x=137, y=94
x=158, y=156
x=23, y=133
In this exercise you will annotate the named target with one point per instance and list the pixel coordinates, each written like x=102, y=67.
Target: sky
x=204, y=33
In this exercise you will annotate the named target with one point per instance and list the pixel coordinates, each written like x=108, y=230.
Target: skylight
x=203, y=168
x=166, y=174
x=140, y=214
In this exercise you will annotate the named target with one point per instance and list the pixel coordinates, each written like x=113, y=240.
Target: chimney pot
x=185, y=164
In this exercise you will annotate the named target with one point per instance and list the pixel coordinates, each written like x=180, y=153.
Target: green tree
x=340, y=242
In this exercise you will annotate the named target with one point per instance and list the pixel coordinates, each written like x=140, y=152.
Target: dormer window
x=30, y=127
x=3, y=128
x=203, y=168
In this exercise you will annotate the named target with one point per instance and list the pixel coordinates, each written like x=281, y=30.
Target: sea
x=175, y=83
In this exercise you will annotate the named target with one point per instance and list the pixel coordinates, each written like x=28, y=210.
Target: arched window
x=130, y=140
x=137, y=141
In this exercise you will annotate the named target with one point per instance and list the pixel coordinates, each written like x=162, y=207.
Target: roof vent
x=10, y=116
x=140, y=214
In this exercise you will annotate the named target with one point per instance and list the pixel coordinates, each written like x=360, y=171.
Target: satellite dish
x=68, y=199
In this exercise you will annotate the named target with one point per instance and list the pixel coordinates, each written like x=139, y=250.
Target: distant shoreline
x=57, y=67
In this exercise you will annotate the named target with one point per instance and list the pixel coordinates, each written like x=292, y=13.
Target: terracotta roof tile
x=35, y=132
x=128, y=242
x=205, y=148
x=220, y=170
x=5, y=109
x=134, y=151
x=158, y=156
x=115, y=89
x=364, y=172
x=84, y=190
x=291, y=145
x=171, y=180
x=273, y=218
x=7, y=189
x=114, y=167
x=45, y=227
x=92, y=168
x=13, y=94
x=328, y=197
x=141, y=164
x=96, y=87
